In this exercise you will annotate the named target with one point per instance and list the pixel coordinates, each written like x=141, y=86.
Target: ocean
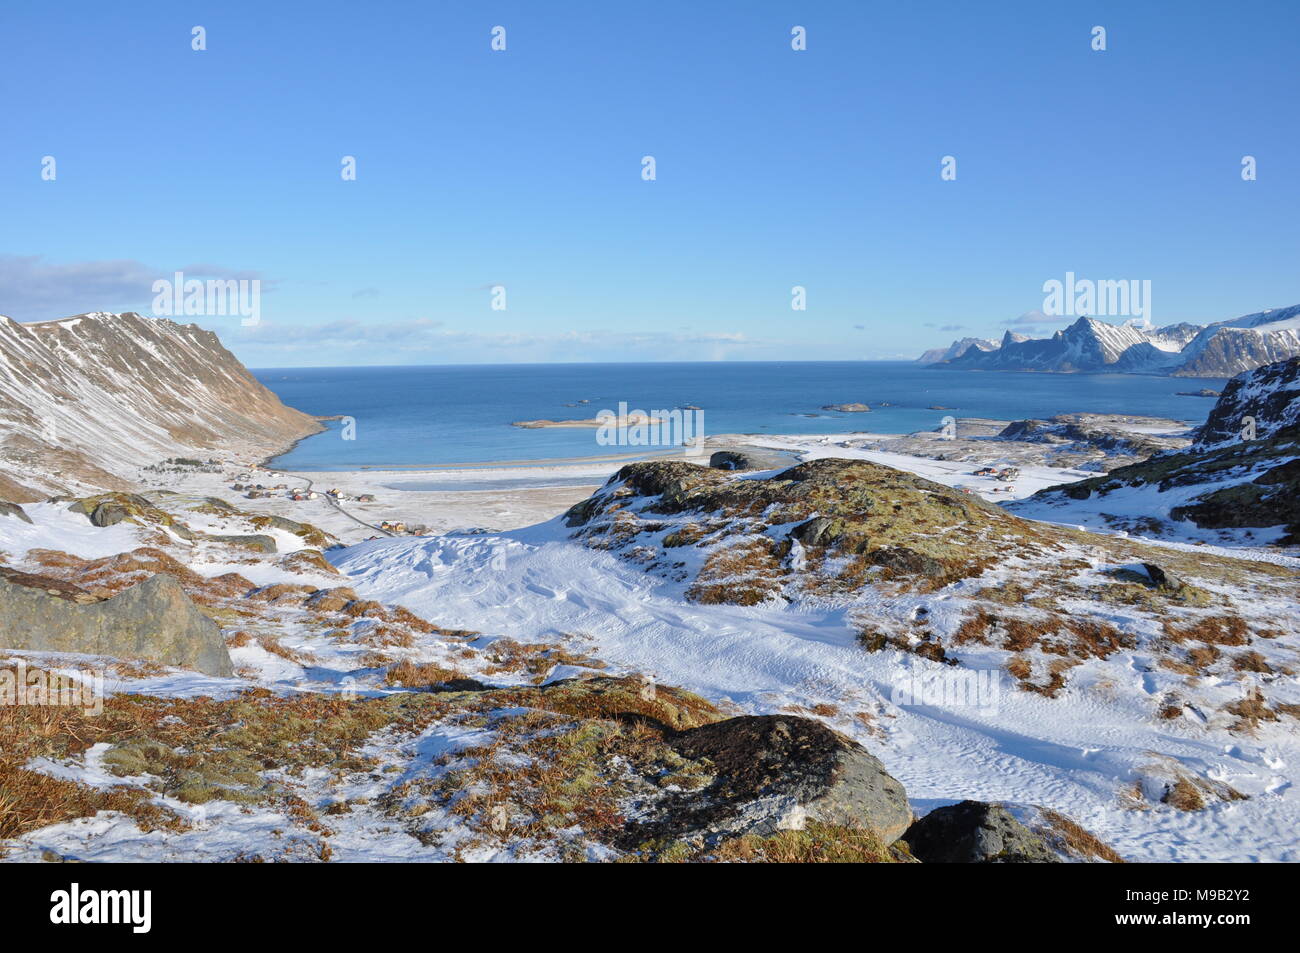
x=458, y=414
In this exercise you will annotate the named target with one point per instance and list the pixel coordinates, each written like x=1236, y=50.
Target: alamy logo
x=212, y=298
x=73, y=906
x=659, y=428
x=1083, y=297
x=960, y=688
x=23, y=686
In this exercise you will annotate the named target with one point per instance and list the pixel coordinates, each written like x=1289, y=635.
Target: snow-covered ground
x=1078, y=753
x=952, y=473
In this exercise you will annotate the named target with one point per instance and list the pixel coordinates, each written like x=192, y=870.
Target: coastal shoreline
x=509, y=495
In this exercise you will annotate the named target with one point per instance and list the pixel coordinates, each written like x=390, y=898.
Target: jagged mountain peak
x=1183, y=349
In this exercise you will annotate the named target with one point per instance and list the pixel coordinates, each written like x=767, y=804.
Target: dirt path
x=338, y=506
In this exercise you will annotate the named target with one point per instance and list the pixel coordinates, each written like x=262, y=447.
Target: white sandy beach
x=506, y=496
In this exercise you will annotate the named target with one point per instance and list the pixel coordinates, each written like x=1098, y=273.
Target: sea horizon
x=407, y=416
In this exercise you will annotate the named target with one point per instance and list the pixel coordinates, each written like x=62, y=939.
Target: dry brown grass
x=1170, y=709
x=272, y=644
x=1251, y=661
x=1250, y=711
x=408, y=674
x=381, y=635
x=534, y=658
x=1184, y=796
x=1077, y=841
x=30, y=800
x=816, y=844
x=188, y=740
x=1211, y=630
x=743, y=573
x=1051, y=632
x=1022, y=670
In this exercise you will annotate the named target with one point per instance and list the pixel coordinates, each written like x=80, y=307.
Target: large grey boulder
x=976, y=832
x=771, y=773
x=109, y=514
x=258, y=542
x=154, y=620
x=286, y=524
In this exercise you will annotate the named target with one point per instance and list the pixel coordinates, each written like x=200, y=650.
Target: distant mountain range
x=1222, y=349
x=85, y=401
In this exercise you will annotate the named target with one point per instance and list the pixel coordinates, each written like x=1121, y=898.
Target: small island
x=630, y=420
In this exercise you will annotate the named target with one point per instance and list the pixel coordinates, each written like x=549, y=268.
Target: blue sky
x=523, y=169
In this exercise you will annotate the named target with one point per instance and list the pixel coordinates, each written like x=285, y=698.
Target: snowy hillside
x=1099, y=731
x=86, y=400
x=532, y=695
x=1239, y=483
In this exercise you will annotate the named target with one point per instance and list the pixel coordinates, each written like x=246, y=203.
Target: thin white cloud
x=33, y=289
x=349, y=339
x=1038, y=317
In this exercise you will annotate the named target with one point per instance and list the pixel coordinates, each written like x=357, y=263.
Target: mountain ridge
x=1220, y=349
x=86, y=400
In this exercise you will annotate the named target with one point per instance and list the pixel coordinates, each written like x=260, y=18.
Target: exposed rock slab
x=772, y=773
x=14, y=510
x=154, y=620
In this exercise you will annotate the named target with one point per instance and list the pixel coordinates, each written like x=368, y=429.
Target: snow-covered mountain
x=1221, y=349
x=956, y=349
x=1242, y=344
x=85, y=401
x=1268, y=395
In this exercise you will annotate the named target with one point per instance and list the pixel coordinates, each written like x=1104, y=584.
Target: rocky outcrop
x=1269, y=395
x=154, y=620
x=109, y=509
x=750, y=458
x=258, y=542
x=15, y=511
x=974, y=832
x=86, y=400
x=1223, y=481
x=754, y=535
x=978, y=832
x=1112, y=434
x=769, y=773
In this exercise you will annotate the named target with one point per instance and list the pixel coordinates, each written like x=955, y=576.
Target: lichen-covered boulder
x=976, y=832
x=771, y=773
x=258, y=542
x=154, y=620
